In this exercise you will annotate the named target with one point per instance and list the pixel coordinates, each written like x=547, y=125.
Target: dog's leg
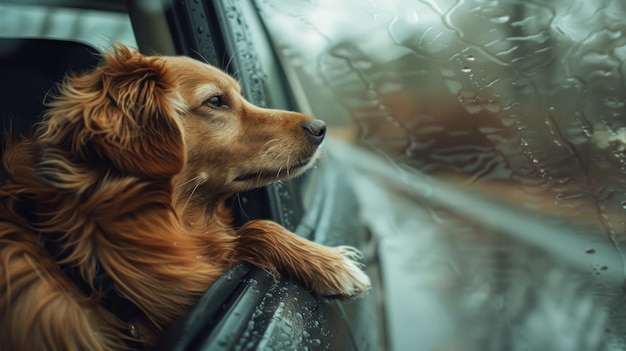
x=39, y=312
x=328, y=271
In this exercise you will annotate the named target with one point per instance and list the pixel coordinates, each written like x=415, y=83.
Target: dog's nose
x=315, y=130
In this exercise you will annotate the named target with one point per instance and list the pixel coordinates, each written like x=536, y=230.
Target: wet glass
x=517, y=104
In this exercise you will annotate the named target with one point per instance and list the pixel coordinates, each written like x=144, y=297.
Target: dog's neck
x=197, y=215
x=197, y=205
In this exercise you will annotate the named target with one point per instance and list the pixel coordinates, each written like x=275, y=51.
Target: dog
x=126, y=178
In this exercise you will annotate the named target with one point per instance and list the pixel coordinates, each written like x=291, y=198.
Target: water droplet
x=624, y=205
x=466, y=69
x=470, y=58
x=590, y=251
x=500, y=19
x=604, y=268
x=613, y=102
x=200, y=29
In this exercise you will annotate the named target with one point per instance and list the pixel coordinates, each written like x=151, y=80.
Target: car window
x=494, y=164
x=502, y=190
x=100, y=29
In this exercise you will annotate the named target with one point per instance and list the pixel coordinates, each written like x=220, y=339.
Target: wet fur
x=132, y=164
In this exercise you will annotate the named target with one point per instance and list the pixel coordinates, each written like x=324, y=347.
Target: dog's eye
x=217, y=102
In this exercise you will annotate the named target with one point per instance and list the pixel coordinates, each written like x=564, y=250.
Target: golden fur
x=132, y=164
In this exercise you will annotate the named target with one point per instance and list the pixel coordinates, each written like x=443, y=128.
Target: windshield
x=500, y=196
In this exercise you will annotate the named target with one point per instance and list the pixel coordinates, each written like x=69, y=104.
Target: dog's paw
x=344, y=278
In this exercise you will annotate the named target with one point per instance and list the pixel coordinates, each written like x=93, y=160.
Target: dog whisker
x=199, y=180
x=189, y=181
x=258, y=180
x=200, y=56
x=279, y=156
x=270, y=148
x=268, y=151
x=271, y=141
x=230, y=61
x=240, y=204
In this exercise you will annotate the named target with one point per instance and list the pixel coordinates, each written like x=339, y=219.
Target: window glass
x=520, y=102
x=100, y=29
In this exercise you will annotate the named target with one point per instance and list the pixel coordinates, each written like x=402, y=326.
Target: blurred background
x=502, y=129
x=487, y=143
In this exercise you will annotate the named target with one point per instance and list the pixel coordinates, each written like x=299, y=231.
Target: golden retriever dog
x=126, y=178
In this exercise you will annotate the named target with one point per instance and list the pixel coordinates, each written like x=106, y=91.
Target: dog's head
x=232, y=144
x=164, y=117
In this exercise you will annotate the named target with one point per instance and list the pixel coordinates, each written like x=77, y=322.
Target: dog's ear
x=125, y=111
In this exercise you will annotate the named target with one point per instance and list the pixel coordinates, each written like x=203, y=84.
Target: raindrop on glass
x=613, y=102
x=500, y=19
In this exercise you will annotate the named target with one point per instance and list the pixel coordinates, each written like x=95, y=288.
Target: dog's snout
x=315, y=130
